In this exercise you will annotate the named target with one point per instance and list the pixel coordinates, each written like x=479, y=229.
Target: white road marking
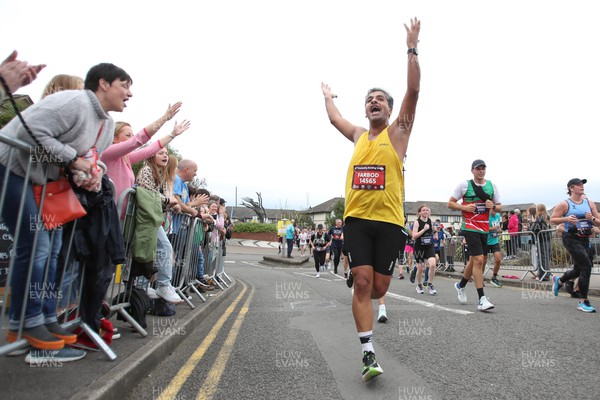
x=264, y=244
x=322, y=277
x=428, y=304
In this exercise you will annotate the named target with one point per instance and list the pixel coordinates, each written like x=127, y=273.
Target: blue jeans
x=164, y=259
x=200, y=270
x=42, y=291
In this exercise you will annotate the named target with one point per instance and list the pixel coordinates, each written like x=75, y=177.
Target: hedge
x=255, y=227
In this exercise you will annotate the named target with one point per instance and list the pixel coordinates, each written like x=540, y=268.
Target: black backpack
x=139, y=305
x=162, y=308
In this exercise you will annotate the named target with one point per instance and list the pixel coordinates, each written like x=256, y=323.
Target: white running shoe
x=420, y=289
x=382, y=317
x=318, y=275
x=431, y=289
x=152, y=293
x=484, y=304
x=462, y=296
x=169, y=294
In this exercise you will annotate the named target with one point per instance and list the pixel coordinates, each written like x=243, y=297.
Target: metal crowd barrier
x=65, y=286
x=214, y=261
x=541, y=254
x=40, y=288
x=455, y=252
x=119, y=295
x=185, y=247
x=220, y=273
x=559, y=258
x=195, y=241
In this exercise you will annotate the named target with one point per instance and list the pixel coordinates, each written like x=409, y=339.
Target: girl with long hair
x=154, y=177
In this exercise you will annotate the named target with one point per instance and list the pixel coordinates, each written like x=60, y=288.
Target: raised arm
x=401, y=128
x=172, y=110
x=351, y=132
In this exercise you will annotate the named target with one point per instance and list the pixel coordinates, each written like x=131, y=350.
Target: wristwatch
x=413, y=50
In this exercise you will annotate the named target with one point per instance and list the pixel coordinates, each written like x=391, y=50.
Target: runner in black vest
x=337, y=243
x=319, y=243
x=424, y=252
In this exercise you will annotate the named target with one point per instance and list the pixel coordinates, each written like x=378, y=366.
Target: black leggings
x=582, y=266
x=319, y=259
x=337, y=252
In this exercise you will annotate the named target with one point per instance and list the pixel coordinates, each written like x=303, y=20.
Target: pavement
x=95, y=377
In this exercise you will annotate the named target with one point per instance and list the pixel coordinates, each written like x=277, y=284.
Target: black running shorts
x=424, y=253
x=373, y=243
x=494, y=248
x=476, y=242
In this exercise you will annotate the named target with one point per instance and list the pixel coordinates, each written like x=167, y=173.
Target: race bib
x=368, y=177
x=584, y=227
x=494, y=234
x=480, y=208
x=425, y=240
x=318, y=248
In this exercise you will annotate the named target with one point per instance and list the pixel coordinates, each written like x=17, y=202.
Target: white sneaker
x=318, y=275
x=420, y=289
x=152, y=293
x=462, y=296
x=382, y=317
x=431, y=289
x=484, y=304
x=168, y=293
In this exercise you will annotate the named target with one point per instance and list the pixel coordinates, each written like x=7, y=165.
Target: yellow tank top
x=374, y=181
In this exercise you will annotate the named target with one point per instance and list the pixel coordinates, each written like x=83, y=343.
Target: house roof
x=436, y=207
x=325, y=207
x=522, y=207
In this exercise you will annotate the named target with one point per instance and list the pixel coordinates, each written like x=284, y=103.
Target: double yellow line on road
x=211, y=382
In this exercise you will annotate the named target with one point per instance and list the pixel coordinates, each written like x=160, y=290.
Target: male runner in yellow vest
x=374, y=213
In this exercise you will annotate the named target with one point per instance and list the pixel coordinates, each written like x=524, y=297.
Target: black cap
x=576, y=181
x=477, y=163
x=222, y=201
x=320, y=226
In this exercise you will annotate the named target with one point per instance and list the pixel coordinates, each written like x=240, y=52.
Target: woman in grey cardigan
x=71, y=128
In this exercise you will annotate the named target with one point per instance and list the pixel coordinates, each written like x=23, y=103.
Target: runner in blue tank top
x=579, y=215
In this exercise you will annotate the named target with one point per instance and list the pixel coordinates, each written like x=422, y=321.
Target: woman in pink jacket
x=513, y=228
x=125, y=150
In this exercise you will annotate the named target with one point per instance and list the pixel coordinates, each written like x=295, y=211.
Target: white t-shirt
x=303, y=238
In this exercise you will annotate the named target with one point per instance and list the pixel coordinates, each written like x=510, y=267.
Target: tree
x=303, y=220
x=256, y=206
x=338, y=212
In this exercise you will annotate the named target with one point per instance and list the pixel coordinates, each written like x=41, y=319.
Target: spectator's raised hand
x=199, y=200
x=178, y=129
x=172, y=110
